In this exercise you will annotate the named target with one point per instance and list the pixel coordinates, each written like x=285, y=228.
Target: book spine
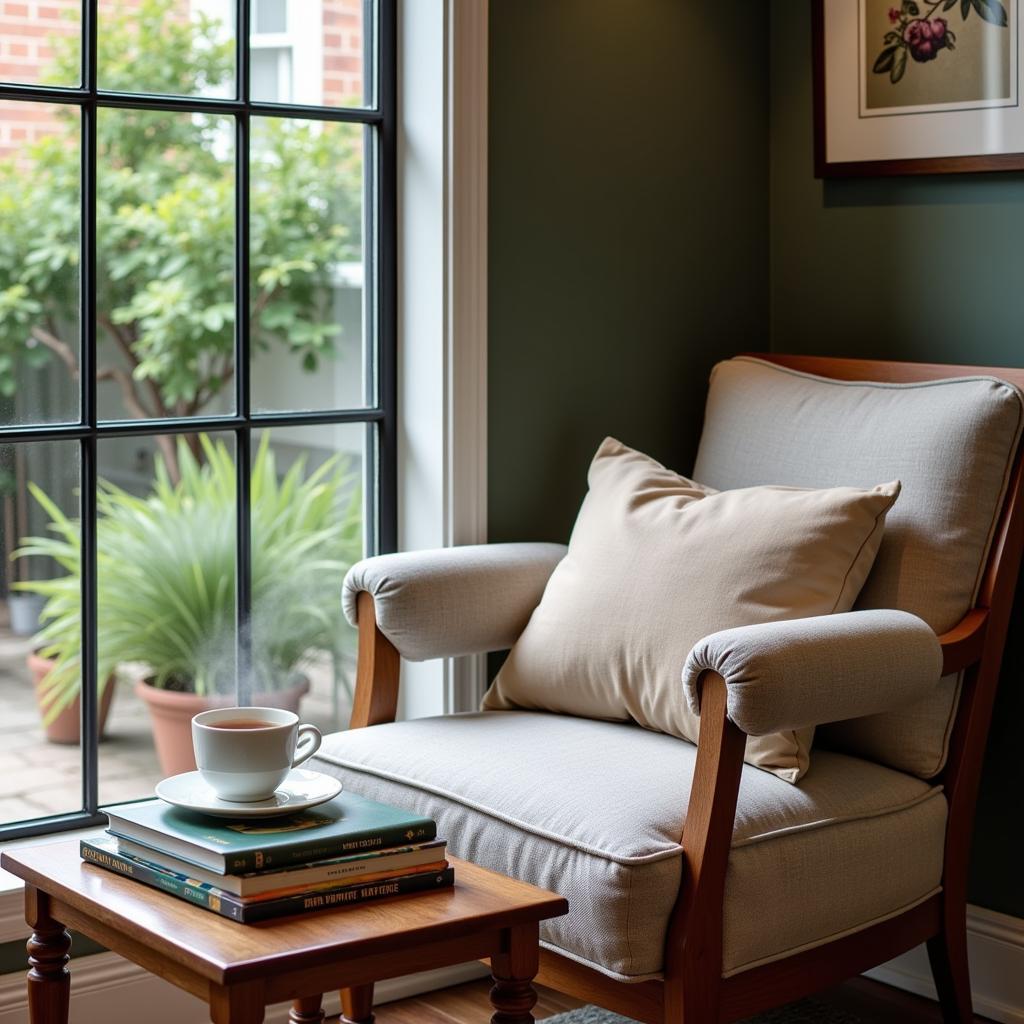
x=226, y=905
x=402, y=886
x=272, y=858
x=170, y=882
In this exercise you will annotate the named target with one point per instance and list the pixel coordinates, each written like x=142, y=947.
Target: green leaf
x=885, y=60
x=911, y=8
x=899, y=67
x=965, y=8
x=992, y=11
x=949, y=5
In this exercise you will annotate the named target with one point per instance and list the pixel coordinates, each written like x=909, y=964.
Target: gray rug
x=807, y=1011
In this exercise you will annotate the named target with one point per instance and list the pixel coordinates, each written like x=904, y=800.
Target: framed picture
x=917, y=86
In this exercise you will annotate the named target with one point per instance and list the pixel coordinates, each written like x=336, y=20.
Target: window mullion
x=243, y=444
x=89, y=730
x=386, y=241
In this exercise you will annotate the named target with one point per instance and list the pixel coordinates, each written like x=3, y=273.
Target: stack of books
x=347, y=851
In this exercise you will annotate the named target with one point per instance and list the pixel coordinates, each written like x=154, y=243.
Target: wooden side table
x=240, y=969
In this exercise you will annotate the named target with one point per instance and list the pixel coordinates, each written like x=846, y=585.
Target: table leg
x=307, y=1010
x=241, y=1003
x=49, y=983
x=514, y=968
x=357, y=1005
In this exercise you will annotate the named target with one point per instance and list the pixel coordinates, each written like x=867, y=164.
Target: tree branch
x=204, y=393
x=129, y=395
x=261, y=304
x=123, y=342
x=62, y=349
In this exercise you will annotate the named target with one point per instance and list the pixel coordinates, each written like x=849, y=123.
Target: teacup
x=244, y=754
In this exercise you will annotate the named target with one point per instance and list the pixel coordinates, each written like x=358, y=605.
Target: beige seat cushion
x=656, y=562
x=951, y=444
x=594, y=810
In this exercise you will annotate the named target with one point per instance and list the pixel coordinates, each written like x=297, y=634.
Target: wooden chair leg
x=307, y=1010
x=947, y=953
x=357, y=1005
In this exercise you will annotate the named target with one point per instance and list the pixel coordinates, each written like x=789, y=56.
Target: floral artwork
x=921, y=36
x=917, y=86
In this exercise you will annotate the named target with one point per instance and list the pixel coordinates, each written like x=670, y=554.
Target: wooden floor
x=468, y=1004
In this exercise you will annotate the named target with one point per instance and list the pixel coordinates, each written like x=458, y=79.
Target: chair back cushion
x=655, y=563
x=950, y=442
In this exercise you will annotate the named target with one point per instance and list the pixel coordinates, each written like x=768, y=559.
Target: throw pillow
x=655, y=563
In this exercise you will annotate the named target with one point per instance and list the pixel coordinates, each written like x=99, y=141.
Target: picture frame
x=917, y=86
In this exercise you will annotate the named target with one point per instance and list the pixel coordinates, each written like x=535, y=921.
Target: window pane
x=307, y=270
x=41, y=43
x=166, y=584
x=308, y=490
x=39, y=243
x=270, y=16
x=40, y=631
x=327, y=44
x=272, y=73
x=167, y=47
x=165, y=268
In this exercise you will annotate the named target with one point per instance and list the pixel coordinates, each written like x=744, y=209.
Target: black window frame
x=380, y=417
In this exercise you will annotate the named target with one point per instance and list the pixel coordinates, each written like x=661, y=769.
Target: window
x=197, y=373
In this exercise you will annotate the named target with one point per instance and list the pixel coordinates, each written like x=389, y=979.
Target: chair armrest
x=805, y=672
x=452, y=601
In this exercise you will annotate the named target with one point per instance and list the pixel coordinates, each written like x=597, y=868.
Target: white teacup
x=244, y=754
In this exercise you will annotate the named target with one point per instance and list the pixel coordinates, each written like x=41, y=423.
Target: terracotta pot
x=171, y=715
x=66, y=727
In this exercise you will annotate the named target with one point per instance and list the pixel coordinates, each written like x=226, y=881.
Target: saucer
x=300, y=790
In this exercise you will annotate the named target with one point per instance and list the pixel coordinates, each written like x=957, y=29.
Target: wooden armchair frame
x=693, y=990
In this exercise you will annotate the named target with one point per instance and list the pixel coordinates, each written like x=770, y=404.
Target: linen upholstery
x=452, y=601
x=951, y=444
x=595, y=811
x=804, y=672
x=657, y=561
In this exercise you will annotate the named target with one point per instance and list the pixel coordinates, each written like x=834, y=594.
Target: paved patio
x=39, y=778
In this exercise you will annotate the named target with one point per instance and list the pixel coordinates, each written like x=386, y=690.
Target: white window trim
x=442, y=333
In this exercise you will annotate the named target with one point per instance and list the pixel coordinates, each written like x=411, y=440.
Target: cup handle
x=308, y=744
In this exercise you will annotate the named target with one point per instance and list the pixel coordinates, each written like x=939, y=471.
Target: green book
x=346, y=824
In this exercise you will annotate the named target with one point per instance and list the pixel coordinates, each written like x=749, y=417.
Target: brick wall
x=343, y=52
x=26, y=27
x=26, y=30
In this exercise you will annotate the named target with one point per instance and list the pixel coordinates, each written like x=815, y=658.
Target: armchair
x=702, y=889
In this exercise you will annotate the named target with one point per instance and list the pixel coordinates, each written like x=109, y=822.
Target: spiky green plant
x=166, y=574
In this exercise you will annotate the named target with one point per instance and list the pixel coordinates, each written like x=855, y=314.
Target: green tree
x=166, y=226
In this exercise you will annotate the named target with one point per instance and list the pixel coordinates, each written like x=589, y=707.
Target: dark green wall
x=918, y=268
x=628, y=235
x=927, y=268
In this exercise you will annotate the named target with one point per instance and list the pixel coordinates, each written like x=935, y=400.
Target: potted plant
x=166, y=572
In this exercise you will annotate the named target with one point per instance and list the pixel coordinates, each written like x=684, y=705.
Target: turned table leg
x=514, y=969
x=49, y=983
x=307, y=1010
x=357, y=1005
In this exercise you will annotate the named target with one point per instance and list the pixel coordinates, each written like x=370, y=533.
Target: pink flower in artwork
x=894, y=14
x=925, y=38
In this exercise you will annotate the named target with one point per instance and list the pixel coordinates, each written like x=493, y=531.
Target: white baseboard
x=107, y=988
x=995, y=945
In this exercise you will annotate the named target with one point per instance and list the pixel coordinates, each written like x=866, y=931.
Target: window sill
x=12, y=901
